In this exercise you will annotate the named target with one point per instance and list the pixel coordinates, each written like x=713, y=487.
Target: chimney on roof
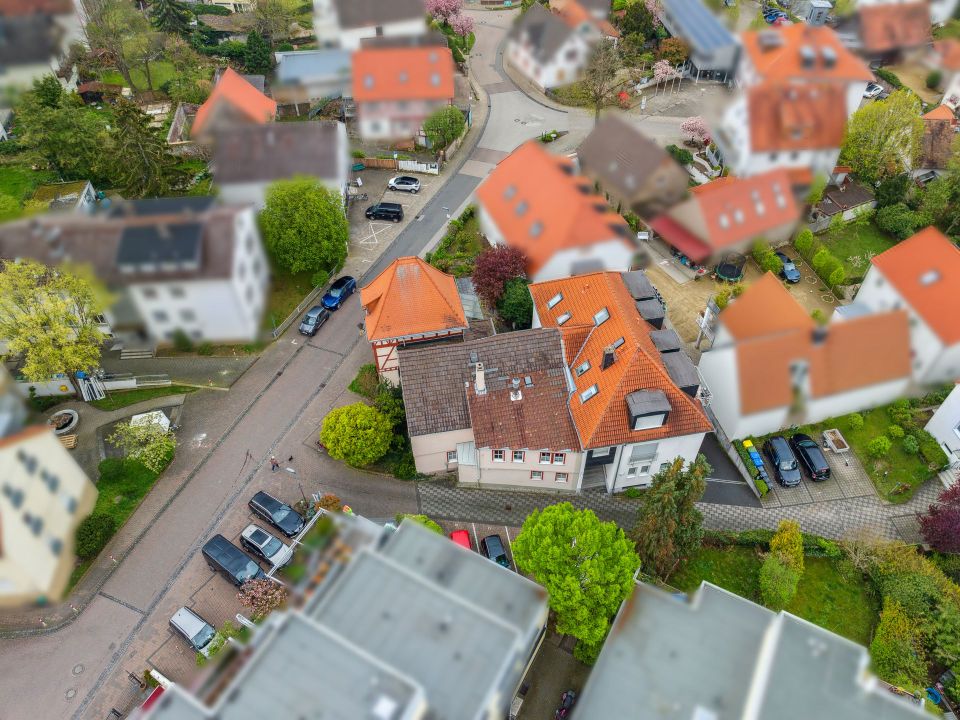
x=609, y=357
x=480, y=380
x=515, y=392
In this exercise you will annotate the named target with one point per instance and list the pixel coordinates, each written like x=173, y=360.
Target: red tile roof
x=940, y=112
x=776, y=54
x=731, y=211
x=925, y=270
x=603, y=420
x=892, y=26
x=541, y=206
x=786, y=116
x=948, y=53
x=574, y=15
x=411, y=297
x=765, y=308
x=403, y=73
x=234, y=91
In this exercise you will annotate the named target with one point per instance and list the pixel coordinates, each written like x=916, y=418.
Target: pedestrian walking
x=274, y=465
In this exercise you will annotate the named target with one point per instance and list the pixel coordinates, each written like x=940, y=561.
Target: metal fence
x=304, y=304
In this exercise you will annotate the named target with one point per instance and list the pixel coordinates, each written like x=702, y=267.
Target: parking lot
x=478, y=531
x=847, y=479
x=369, y=237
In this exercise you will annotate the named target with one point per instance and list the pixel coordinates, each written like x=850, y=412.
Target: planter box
x=835, y=441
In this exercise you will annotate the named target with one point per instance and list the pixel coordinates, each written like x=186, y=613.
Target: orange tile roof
x=574, y=15
x=233, y=90
x=411, y=297
x=783, y=61
x=800, y=176
x=765, y=308
x=940, y=112
x=403, y=73
x=541, y=206
x=786, y=116
x=925, y=270
x=730, y=211
x=603, y=420
x=948, y=51
x=892, y=26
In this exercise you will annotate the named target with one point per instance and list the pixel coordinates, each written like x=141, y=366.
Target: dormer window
x=521, y=208
x=724, y=221
x=617, y=343
x=563, y=318
x=601, y=316
x=648, y=409
x=589, y=393
x=581, y=368
x=404, y=76
x=554, y=300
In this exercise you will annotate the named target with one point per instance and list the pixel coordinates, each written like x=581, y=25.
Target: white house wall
x=945, y=368
x=818, y=409
x=350, y=39
x=945, y=424
x=668, y=450
x=488, y=473
x=614, y=255
x=563, y=68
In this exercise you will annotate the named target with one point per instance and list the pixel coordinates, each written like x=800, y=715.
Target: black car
x=492, y=547
x=811, y=456
x=283, y=517
x=313, y=320
x=784, y=463
x=789, y=271
x=227, y=559
x=385, y=211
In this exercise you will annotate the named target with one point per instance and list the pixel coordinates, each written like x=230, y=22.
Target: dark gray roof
x=647, y=402
x=545, y=32
x=698, y=25
x=155, y=244
x=587, y=266
x=666, y=658
x=433, y=377
x=277, y=151
x=621, y=156
x=28, y=39
x=666, y=340
x=367, y=13
x=651, y=309
x=162, y=206
x=427, y=39
x=681, y=370
x=638, y=285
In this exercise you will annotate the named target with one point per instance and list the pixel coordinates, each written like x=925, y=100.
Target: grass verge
x=123, y=398
x=854, y=246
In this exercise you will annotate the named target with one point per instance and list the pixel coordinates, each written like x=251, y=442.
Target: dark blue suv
x=784, y=462
x=338, y=292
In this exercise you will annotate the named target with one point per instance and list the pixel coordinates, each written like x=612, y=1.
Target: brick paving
x=192, y=370
x=848, y=480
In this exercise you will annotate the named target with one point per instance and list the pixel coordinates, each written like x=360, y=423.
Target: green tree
x=778, y=583
x=303, y=226
x=638, y=20
x=274, y=18
x=48, y=91
x=357, y=434
x=674, y=50
x=586, y=566
x=897, y=651
x=144, y=165
x=804, y=242
x=148, y=443
x=257, y=55
x=669, y=527
x=420, y=520
x=170, y=16
x=92, y=534
x=600, y=75
x=110, y=25
x=515, y=305
x=444, y=126
x=883, y=138
x=48, y=317
x=898, y=220
x=787, y=544
x=815, y=194
x=879, y=446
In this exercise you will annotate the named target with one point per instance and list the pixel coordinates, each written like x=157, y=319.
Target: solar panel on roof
x=699, y=26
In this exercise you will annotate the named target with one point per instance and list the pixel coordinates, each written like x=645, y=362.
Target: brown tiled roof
x=434, y=378
x=368, y=13
x=540, y=419
x=894, y=26
x=947, y=53
x=279, y=151
x=938, y=135
x=788, y=116
x=603, y=420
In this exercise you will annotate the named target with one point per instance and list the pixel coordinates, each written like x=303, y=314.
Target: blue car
x=789, y=272
x=338, y=292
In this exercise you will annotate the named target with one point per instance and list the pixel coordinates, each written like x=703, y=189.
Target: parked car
x=789, y=272
x=342, y=288
x=784, y=463
x=492, y=547
x=194, y=629
x=873, y=90
x=404, y=183
x=227, y=559
x=283, y=517
x=811, y=456
x=385, y=211
x=461, y=538
x=314, y=320
x=265, y=546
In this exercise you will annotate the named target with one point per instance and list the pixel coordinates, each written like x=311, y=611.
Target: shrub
x=420, y=519
x=182, y=341
x=366, y=382
x=910, y=445
x=889, y=77
x=898, y=220
x=804, y=242
x=328, y=502
x=205, y=349
x=893, y=190
x=820, y=259
x=320, y=278
x=93, y=533
x=516, y=305
x=633, y=493
x=895, y=432
x=930, y=449
x=836, y=277
x=855, y=421
x=357, y=434
x=778, y=583
x=818, y=316
x=933, y=79
x=896, y=651
x=737, y=290
x=262, y=596
x=681, y=155
x=766, y=258
x=722, y=298
x=762, y=486
x=405, y=468
x=358, y=154
x=879, y=447
x=787, y=545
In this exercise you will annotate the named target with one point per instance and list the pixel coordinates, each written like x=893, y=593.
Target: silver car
x=404, y=183
x=265, y=546
x=194, y=629
x=873, y=90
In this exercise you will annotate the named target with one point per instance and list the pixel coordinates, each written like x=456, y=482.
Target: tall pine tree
x=170, y=16
x=256, y=58
x=144, y=165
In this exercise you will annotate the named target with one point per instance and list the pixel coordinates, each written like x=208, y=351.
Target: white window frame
x=564, y=318
x=502, y=454
x=554, y=300
x=582, y=368
x=545, y=454
x=453, y=459
x=561, y=477
x=601, y=316
x=562, y=460
x=536, y=474
x=522, y=455
x=589, y=393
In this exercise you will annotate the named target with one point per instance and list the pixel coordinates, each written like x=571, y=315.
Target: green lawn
x=123, y=398
x=19, y=180
x=831, y=593
x=853, y=245
x=160, y=72
x=287, y=290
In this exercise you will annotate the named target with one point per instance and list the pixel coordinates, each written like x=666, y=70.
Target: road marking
x=476, y=542
x=118, y=601
x=727, y=481
x=506, y=531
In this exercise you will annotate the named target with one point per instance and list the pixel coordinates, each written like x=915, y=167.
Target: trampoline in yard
x=731, y=267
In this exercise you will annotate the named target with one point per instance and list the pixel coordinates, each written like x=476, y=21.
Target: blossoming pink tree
x=652, y=7
x=696, y=129
x=462, y=25
x=443, y=10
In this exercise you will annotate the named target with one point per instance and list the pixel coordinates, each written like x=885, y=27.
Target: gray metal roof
x=651, y=309
x=304, y=66
x=698, y=25
x=668, y=659
x=162, y=206
x=647, y=402
x=680, y=368
x=666, y=340
x=639, y=285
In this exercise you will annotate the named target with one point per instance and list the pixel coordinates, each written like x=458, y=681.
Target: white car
x=872, y=91
x=265, y=546
x=404, y=183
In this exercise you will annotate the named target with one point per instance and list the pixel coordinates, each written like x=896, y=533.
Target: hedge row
x=824, y=263
x=758, y=481
x=813, y=545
